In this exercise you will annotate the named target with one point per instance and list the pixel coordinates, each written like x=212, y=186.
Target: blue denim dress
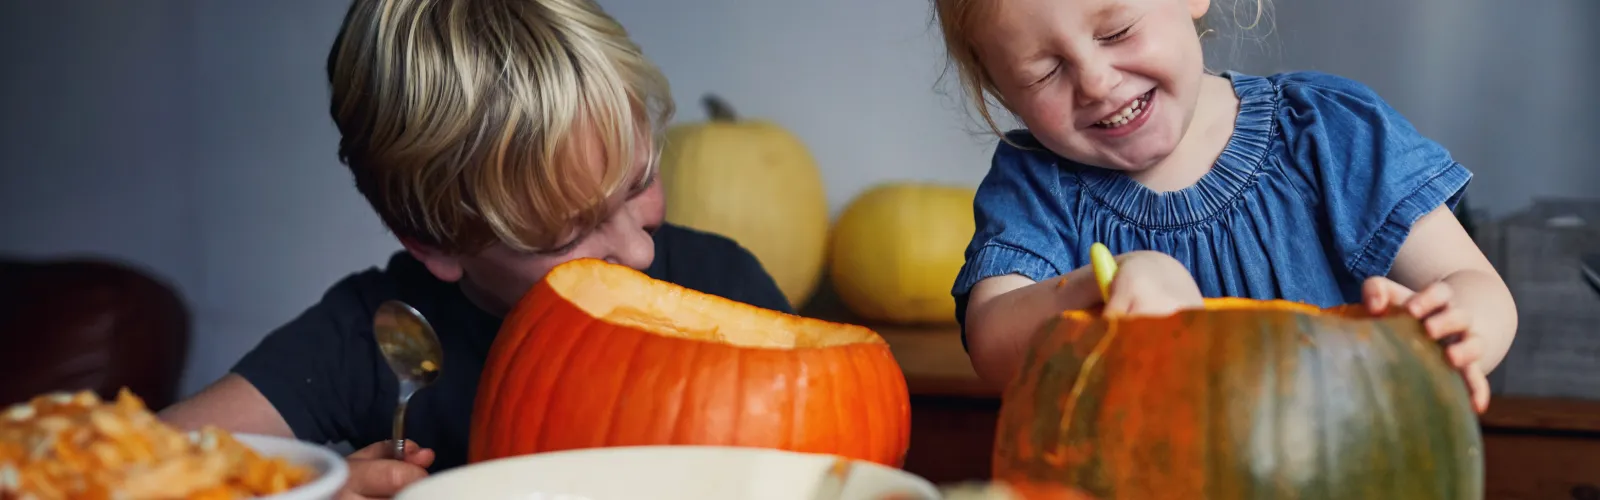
x=1314, y=193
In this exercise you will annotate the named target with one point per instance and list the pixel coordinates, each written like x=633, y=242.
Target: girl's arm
x=1439, y=250
x=1005, y=312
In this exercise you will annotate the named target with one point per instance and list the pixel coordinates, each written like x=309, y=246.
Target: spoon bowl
x=412, y=350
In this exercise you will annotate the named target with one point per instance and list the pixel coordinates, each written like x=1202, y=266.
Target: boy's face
x=1108, y=83
x=499, y=276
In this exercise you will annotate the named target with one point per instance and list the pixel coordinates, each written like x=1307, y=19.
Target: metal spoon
x=412, y=350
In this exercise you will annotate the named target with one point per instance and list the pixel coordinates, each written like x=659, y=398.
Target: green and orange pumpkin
x=598, y=354
x=1241, y=399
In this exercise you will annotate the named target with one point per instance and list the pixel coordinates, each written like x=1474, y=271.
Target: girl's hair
x=470, y=122
x=958, y=19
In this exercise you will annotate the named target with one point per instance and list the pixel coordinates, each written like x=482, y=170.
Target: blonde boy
x=496, y=139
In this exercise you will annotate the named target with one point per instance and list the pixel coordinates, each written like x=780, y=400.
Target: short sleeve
x=1374, y=174
x=317, y=370
x=1017, y=214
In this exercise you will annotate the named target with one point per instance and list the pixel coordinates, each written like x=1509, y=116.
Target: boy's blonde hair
x=958, y=19
x=466, y=122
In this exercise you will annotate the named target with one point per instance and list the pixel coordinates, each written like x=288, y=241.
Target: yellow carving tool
x=1105, y=268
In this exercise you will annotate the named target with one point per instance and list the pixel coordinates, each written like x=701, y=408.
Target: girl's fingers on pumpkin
x=1430, y=300
x=1451, y=322
x=1118, y=303
x=1465, y=353
x=1381, y=293
x=1477, y=387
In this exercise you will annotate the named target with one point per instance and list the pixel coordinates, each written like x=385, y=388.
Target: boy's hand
x=1444, y=323
x=374, y=475
x=1151, y=283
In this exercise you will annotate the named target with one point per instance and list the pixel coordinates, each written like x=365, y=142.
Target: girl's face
x=1108, y=83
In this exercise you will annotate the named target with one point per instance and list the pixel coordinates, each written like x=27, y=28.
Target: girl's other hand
x=1448, y=325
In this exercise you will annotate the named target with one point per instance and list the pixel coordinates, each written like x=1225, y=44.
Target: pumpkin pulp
x=616, y=295
x=1244, y=399
x=599, y=354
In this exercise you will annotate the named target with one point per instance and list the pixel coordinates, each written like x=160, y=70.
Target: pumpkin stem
x=718, y=109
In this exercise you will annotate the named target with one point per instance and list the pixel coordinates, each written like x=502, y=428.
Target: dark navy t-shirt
x=323, y=373
x=1315, y=192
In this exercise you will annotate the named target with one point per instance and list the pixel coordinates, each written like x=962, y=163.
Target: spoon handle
x=399, y=441
x=407, y=388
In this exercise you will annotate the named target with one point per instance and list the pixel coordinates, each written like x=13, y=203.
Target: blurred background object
x=198, y=129
x=751, y=180
x=77, y=324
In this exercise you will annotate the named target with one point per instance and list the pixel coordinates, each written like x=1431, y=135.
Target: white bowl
x=330, y=468
x=661, y=473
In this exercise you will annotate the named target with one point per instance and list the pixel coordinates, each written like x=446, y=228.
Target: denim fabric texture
x=1315, y=192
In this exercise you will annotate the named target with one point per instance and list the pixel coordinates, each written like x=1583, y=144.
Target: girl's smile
x=1105, y=83
x=1127, y=120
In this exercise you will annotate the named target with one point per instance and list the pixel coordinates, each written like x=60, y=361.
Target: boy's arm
x=1439, y=249
x=313, y=378
x=231, y=403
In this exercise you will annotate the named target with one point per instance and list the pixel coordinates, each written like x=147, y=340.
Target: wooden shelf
x=1542, y=414
x=930, y=356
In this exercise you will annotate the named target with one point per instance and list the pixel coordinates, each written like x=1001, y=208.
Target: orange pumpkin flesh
x=598, y=354
x=1244, y=399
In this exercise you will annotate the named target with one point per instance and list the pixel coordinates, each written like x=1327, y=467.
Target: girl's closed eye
x=1118, y=36
x=1054, y=68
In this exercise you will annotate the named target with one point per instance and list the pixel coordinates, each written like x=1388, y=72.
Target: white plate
x=330, y=468
x=660, y=473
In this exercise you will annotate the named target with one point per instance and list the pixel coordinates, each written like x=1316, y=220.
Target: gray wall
x=191, y=137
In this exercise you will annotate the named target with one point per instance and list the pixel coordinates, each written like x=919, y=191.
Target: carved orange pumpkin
x=1243, y=399
x=598, y=354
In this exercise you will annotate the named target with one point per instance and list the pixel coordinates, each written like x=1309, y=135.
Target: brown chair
x=69, y=325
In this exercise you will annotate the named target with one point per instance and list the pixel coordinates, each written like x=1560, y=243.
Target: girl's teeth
x=1125, y=115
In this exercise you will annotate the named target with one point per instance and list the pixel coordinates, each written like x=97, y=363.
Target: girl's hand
x=1447, y=324
x=1151, y=283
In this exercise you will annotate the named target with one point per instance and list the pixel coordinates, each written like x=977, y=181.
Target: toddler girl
x=1301, y=186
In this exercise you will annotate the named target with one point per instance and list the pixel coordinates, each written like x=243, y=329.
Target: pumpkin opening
x=1234, y=304
x=626, y=297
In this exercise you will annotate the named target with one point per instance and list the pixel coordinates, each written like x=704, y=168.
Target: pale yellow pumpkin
x=896, y=249
x=752, y=181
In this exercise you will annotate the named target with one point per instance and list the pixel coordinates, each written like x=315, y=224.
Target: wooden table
x=1535, y=448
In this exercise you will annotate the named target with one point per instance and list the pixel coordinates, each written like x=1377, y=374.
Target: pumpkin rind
x=558, y=378
x=1244, y=400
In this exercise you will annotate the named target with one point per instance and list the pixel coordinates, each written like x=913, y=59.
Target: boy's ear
x=443, y=265
x=1198, y=8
